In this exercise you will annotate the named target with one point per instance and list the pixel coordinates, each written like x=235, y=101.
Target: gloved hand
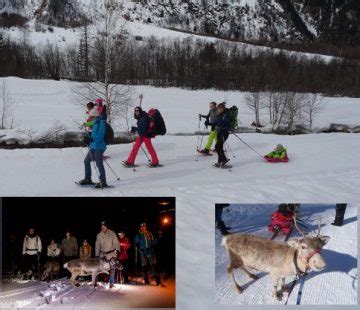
x=199, y=117
x=133, y=129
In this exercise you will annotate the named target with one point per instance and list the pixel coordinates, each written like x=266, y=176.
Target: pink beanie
x=99, y=101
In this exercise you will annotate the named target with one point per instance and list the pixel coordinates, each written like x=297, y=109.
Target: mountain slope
x=330, y=21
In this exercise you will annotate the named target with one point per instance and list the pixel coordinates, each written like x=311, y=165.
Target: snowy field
x=44, y=104
x=336, y=284
x=62, y=295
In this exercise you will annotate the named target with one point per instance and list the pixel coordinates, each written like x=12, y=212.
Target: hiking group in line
x=221, y=120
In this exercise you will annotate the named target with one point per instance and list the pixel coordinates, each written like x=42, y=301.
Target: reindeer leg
x=275, y=281
x=74, y=275
x=230, y=269
x=250, y=275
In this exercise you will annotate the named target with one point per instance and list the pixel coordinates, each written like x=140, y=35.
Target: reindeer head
x=309, y=248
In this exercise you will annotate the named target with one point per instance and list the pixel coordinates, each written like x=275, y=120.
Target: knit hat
x=99, y=101
x=279, y=147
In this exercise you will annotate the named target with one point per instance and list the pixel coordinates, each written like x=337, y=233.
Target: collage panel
x=286, y=254
x=98, y=253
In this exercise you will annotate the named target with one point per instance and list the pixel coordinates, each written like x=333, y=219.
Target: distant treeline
x=185, y=63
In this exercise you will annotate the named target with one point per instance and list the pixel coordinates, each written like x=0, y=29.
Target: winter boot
x=151, y=165
x=127, y=165
x=101, y=185
x=86, y=182
x=204, y=151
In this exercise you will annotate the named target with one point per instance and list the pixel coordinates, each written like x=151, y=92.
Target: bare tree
x=254, y=102
x=119, y=97
x=313, y=105
x=105, y=48
x=7, y=106
x=52, y=61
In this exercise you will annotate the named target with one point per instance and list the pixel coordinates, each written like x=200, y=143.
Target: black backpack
x=233, y=117
x=158, y=127
x=109, y=134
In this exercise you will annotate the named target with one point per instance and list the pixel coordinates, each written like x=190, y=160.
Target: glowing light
x=166, y=220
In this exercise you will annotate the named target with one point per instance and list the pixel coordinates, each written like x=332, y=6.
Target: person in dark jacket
x=144, y=243
x=222, y=128
x=143, y=122
x=219, y=207
x=340, y=213
x=96, y=152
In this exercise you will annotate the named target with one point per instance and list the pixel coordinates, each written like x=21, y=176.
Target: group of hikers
x=221, y=120
x=108, y=246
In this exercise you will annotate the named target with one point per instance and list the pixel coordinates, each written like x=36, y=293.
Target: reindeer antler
x=297, y=227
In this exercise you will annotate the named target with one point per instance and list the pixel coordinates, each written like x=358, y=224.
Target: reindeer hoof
x=278, y=296
x=239, y=289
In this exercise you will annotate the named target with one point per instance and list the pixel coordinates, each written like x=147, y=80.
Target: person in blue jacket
x=144, y=243
x=223, y=129
x=96, y=151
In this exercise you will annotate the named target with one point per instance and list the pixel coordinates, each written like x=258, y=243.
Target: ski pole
x=198, y=133
x=201, y=142
x=147, y=156
x=251, y=148
x=112, y=170
x=230, y=150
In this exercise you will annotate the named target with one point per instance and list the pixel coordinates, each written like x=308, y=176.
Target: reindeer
x=86, y=267
x=297, y=257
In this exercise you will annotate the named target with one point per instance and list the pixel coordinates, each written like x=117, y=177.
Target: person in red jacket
x=123, y=255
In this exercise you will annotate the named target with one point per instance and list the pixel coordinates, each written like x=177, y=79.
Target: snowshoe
x=151, y=165
x=101, y=185
x=222, y=165
x=128, y=165
x=204, y=152
x=85, y=182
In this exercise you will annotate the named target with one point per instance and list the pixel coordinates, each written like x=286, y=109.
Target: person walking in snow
x=210, y=120
x=123, y=255
x=54, y=251
x=144, y=242
x=31, y=252
x=69, y=247
x=106, y=247
x=85, y=250
x=223, y=123
x=143, y=123
x=219, y=207
x=340, y=213
x=96, y=152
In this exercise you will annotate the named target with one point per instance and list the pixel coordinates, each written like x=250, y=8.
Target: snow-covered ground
x=61, y=294
x=336, y=284
x=43, y=104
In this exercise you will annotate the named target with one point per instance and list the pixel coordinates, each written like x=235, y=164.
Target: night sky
x=51, y=217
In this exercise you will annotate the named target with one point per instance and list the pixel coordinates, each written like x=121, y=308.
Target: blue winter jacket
x=98, y=135
x=145, y=240
x=143, y=124
x=223, y=122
